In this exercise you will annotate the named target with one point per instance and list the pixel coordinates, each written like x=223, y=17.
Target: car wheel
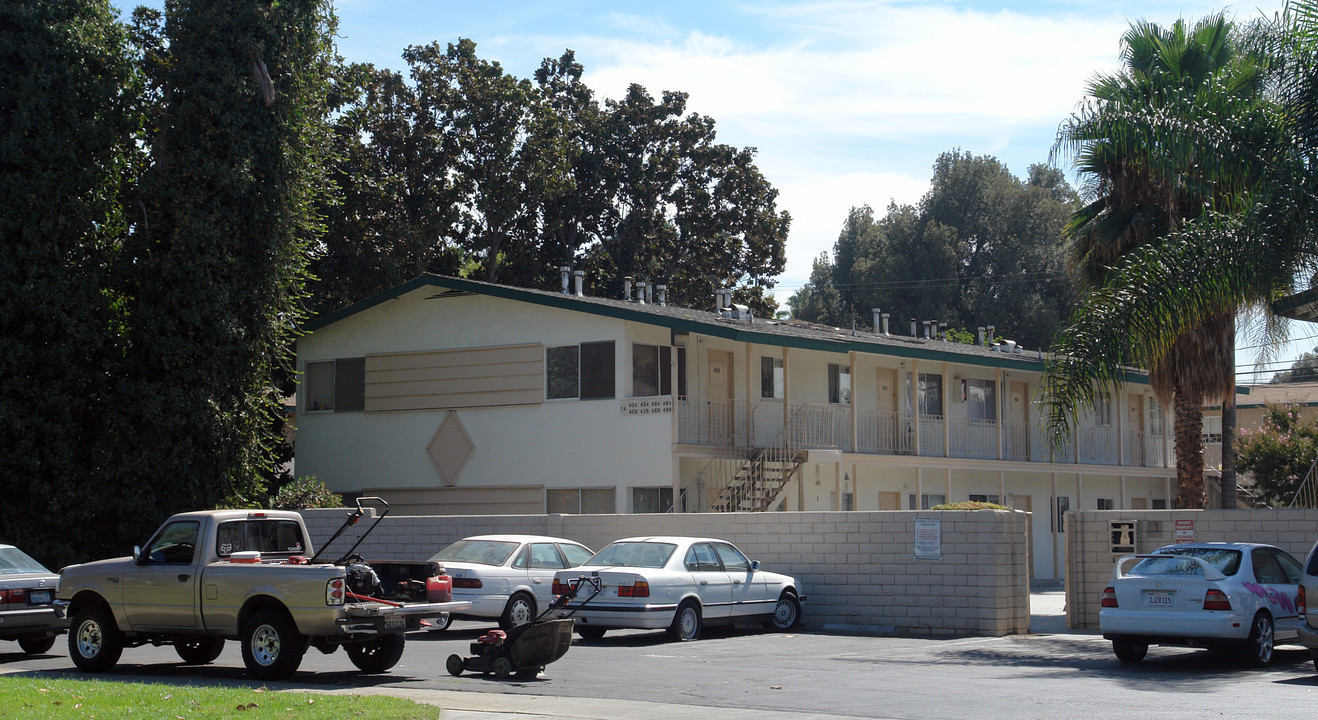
x=199, y=651
x=378, y=655
x=686, y=623
x=95, y=642
x=1129, y=651
x=272, y=646
x=502, y=667
x=36, y=645
x=595, y=633
x=519, y=611
x=786, y=614
x=1258, y=648
x=455, y=665
x=440, y=624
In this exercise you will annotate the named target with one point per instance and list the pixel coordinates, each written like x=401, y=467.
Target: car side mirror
x=137, y=555
x=755, y=566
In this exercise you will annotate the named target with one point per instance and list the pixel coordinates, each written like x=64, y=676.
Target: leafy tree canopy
x=981, y=248
x=1279, y=453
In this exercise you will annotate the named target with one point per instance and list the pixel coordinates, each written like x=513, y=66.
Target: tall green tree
x=66, y=127
x=981, y=248
x=1190, y=166
x=213, y=269
x=1304, y=369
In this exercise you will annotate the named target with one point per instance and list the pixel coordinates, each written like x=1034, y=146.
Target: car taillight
x=334, y=591
x=1216, y=600
x=1109, y=597
x=1300, y=605
x=464, y=582
x=640, y=588
x=561, y=588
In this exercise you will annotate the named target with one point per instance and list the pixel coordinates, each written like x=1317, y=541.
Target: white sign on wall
x=648, y=406
x=928, y=539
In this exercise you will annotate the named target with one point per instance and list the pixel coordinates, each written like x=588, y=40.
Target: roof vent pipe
x=885, y=323
x=579, y=276
x=927, y=331
x=649, y=292
x=913, y=333
x=942, y=330
x=990, y=335
x=718, y=301
x=640, y=291
x=979, y=332
x=878, y=313
x=662, y=292
x=566, y=272
x=627, y=288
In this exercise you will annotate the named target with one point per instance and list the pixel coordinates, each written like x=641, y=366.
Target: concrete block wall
x=857, y=569
x=1090, y=561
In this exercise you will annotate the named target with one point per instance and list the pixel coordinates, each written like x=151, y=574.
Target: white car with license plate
x=507, y=577
x=677, y=584
x=1221, y=596
x=28, y=613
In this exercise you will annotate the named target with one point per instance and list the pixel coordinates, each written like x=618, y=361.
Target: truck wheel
x=199, y=651
x=36, y=645
x=378, y=655
x=272, y=646
x=520, y=611
x=455, y=665
x=95, y=642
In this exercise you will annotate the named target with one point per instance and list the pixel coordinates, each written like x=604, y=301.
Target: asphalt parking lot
x=751, y=673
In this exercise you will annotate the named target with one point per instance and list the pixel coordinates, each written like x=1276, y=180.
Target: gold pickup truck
x=251, y=576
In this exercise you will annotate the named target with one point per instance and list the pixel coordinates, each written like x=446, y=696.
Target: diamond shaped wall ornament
x=450, y=449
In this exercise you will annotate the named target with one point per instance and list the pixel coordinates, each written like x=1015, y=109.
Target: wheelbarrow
x=524, y=650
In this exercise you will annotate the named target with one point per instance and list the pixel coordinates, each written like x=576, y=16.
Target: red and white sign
x=1184, y=531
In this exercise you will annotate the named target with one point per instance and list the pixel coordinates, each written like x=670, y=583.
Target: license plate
x=394, y=622
x=38, y=597
x=1159, y=599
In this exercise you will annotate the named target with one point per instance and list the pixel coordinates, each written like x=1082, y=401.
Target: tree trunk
x=1189, y=452
x=1229, y=427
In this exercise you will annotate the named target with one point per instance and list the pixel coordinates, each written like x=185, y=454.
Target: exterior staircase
x=757, y=483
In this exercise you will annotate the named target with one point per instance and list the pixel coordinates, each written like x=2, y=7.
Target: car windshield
x=480, y=552
x=1175, y=562
x=634, y=554
x=14, y=561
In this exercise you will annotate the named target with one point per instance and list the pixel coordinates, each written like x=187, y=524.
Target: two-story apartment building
x=451, y=396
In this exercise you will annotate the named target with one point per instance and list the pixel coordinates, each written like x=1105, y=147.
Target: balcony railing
x=821, y=426
x=732, y=425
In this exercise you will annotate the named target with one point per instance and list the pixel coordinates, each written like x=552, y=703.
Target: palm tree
x=1149, y=145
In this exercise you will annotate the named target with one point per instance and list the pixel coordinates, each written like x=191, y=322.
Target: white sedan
x=1222, y=596
x=508, y=577
x=678, y=584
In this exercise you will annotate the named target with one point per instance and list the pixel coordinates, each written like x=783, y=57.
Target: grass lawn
x=60, y=699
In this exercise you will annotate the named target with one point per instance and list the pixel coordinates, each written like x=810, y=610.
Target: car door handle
x=537, y=580
x=182, y=577
x=704, y=582
x=736, y=582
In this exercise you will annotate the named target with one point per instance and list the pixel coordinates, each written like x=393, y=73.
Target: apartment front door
x=1135, y=441
x=718, y=392
x=886, y=421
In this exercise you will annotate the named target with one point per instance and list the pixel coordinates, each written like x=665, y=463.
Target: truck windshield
x=481, y=552
x=269, y=537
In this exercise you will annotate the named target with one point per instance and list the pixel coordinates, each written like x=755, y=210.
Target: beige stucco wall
x=1090, y=561
x=857, y=569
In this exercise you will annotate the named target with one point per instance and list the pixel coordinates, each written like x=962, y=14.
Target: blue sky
x=848, y=103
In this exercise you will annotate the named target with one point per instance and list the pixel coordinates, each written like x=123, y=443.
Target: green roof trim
x=630, y=312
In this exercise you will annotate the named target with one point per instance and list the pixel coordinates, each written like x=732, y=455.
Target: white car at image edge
x=1242, y=597
x=677, y=584
x=507, y=577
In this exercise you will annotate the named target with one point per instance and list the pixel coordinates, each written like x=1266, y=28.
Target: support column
x=851, y=363
x=1053, y=523
x=947, y=413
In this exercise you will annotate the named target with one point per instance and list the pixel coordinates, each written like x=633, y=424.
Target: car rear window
x=14, y=562
x=634, y=554
x=1175, y=562
x=481, y=552
x=268, y=537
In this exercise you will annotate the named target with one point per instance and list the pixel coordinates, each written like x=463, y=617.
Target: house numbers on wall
x=648, y=406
